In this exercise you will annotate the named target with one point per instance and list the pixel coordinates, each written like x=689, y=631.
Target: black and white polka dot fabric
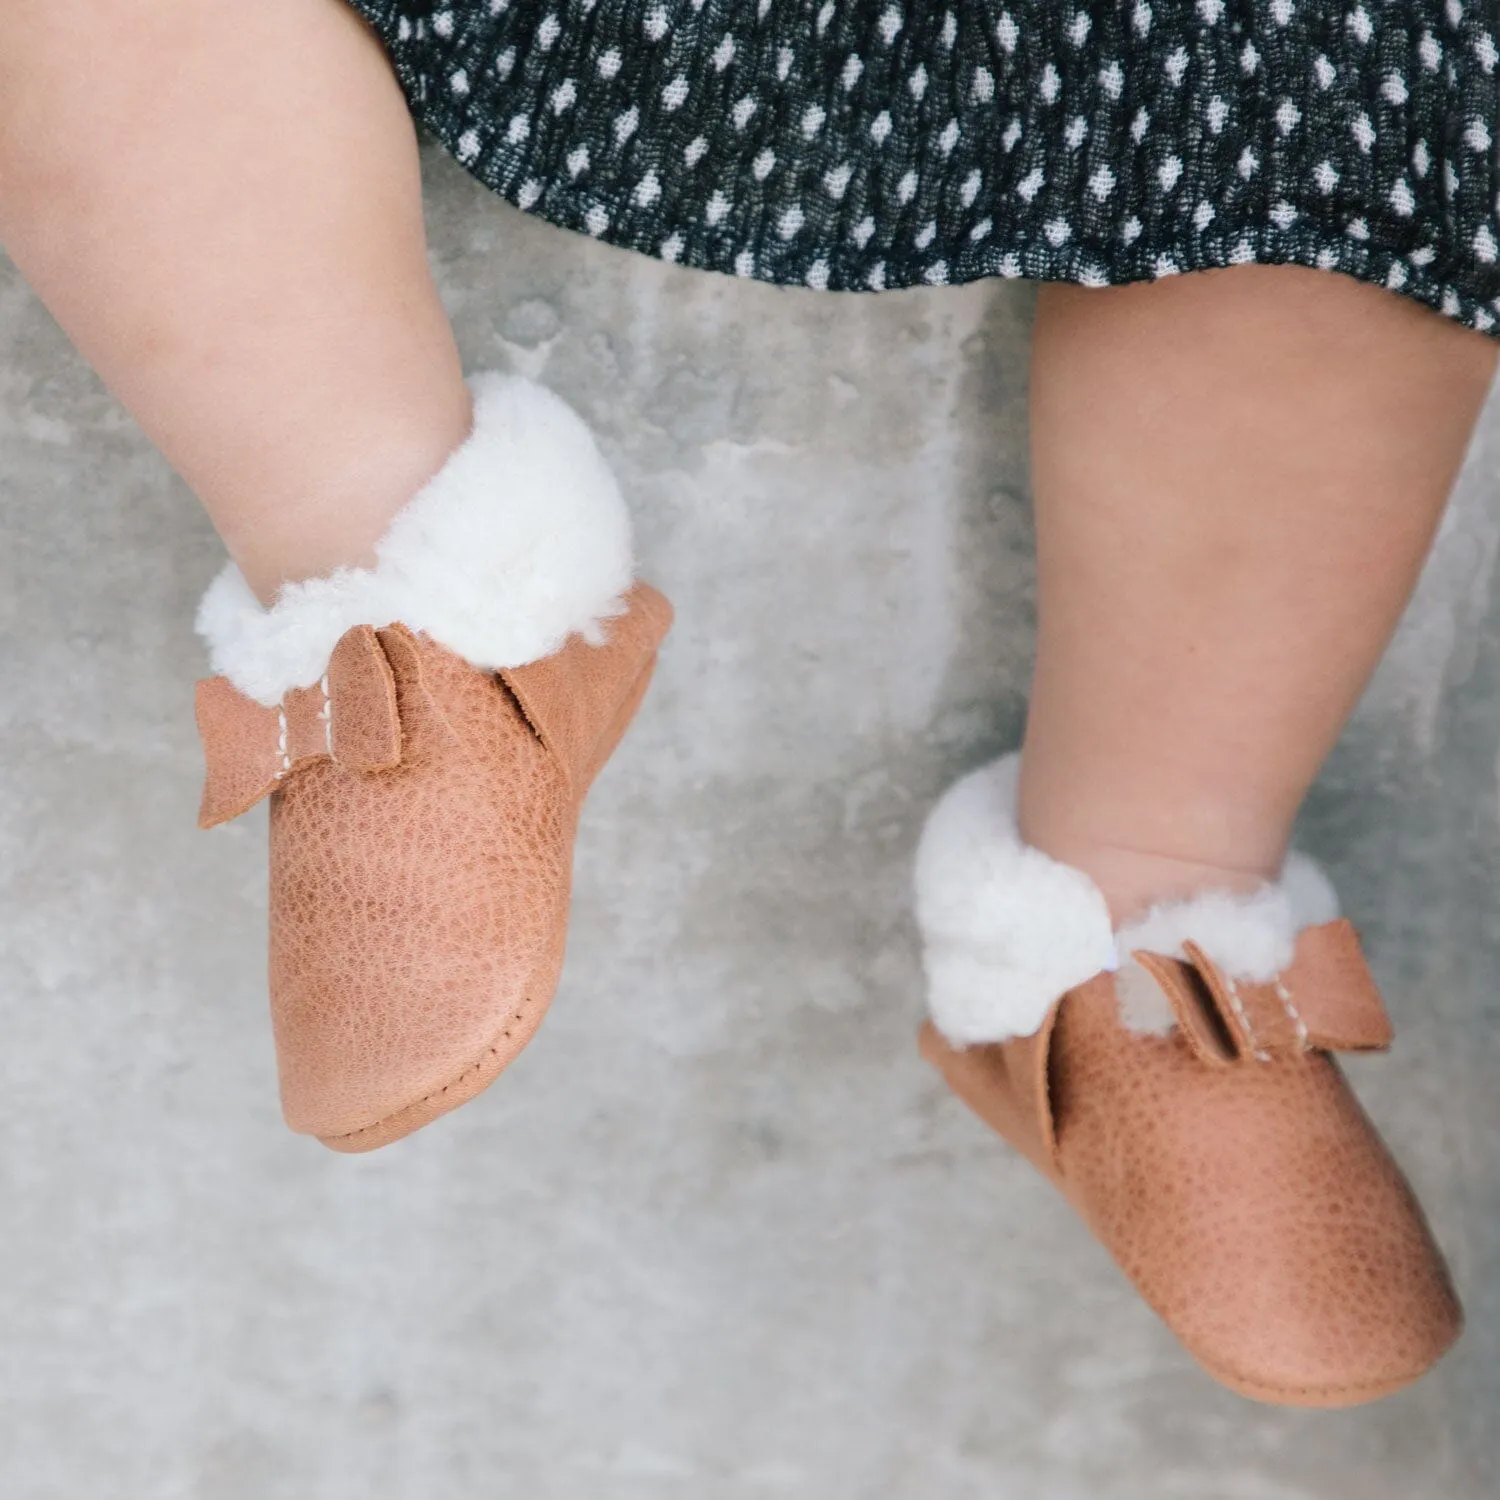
x=861, y=145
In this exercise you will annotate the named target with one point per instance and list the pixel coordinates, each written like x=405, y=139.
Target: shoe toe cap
x=362, y=1066
x=1339, y=1319
x=1296, y=1264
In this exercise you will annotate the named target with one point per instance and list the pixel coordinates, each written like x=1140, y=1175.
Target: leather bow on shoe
x=349, y=717
x=1326, y=999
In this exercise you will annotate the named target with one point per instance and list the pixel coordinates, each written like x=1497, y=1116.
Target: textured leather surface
x=250, y=749
x=1249, y=1198
x=570, y=697
x=419, y=912
x=1004, y=1085
x=1325, y=998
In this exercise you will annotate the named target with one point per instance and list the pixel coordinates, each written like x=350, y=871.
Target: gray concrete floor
x=718, y=1235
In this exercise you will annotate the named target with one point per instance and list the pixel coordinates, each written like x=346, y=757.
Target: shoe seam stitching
x=1403, y=1377
x=326, y=715
x=1260, y=1053
x=1294, y=1015
x=453, y=1082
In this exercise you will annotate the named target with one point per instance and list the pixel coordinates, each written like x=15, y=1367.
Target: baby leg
x=221, y=205
x=1237, y=475
x=220, y=202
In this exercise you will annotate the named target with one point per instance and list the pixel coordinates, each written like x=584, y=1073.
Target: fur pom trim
x=1006, y=929
x=520, y=540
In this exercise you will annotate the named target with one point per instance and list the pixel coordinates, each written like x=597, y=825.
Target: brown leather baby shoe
x=1192, y=1112
x=425, y=783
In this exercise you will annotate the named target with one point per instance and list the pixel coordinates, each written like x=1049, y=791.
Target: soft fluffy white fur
x=1006, y=929
x=1250, y=936
x=519, y=541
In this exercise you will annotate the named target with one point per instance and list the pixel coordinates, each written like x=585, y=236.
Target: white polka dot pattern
x=853, y=146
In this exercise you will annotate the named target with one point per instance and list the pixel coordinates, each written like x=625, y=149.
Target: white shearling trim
x=1007, y=930
x=1250, y=935
x=520, y=540
x=1143, y=1003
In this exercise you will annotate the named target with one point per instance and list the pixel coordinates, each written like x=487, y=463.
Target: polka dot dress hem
x=858, y=147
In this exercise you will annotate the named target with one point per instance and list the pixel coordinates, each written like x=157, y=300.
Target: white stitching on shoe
x=1285, y=996
x=1261, y=1055
x=326, y=715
